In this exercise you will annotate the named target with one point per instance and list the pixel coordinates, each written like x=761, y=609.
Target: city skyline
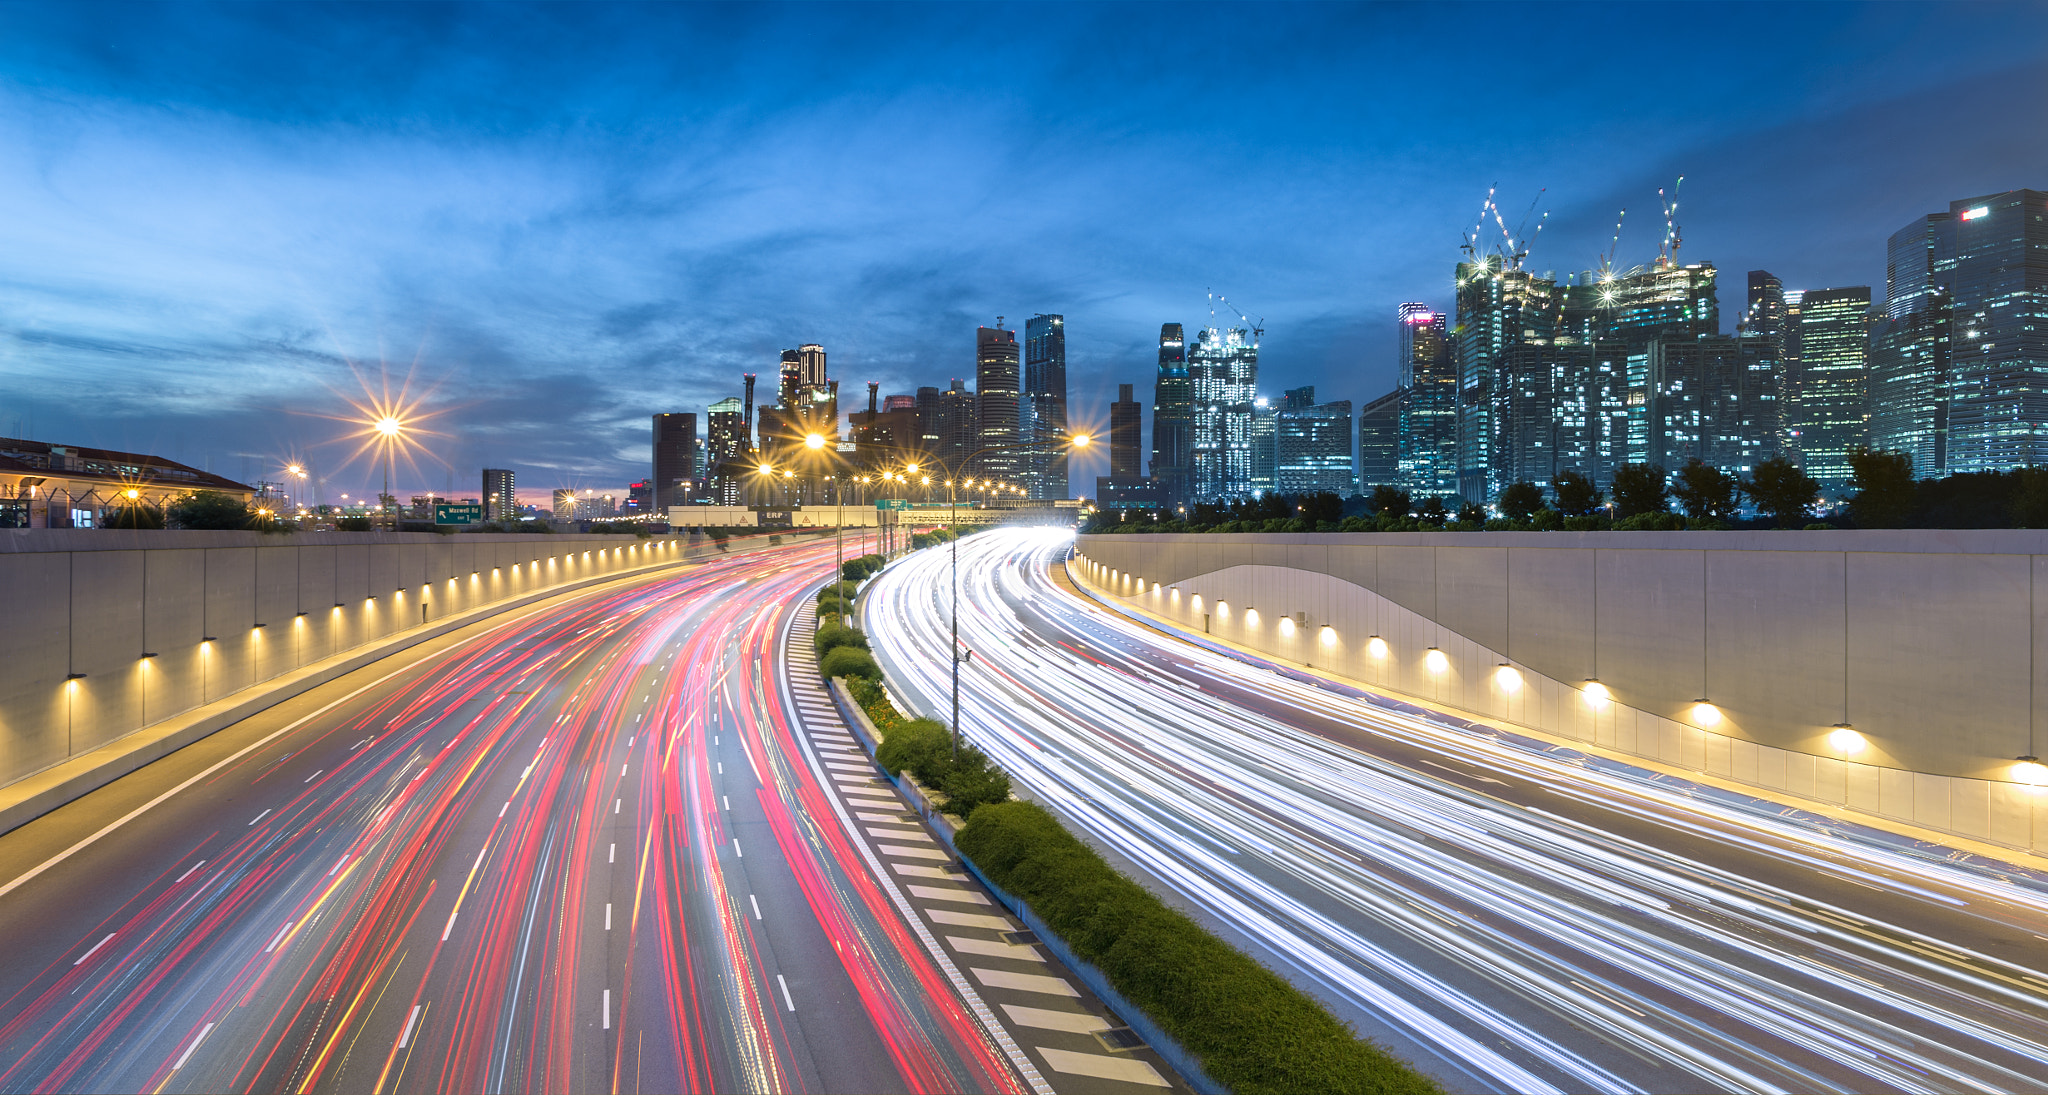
x=209, y=242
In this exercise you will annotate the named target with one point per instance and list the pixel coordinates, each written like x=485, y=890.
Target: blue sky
x=559, y=220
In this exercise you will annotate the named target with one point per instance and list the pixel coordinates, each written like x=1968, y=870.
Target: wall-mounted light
x=148, y=654
x=1597, y=696
x=338, y=606
x=1705, y=714
x=1286, y=625
x=1196, y=602
x=1329, y=635
x=1846, y=740
x=1251, y=617
x=258, y=627
x=208, y=639
x=1436, y=660
x=74, y=677
x=2030, y=771
x=1507, y=678
x=1376, y=646
x=298, y=614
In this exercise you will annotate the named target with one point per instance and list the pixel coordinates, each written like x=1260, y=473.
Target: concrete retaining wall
x=104, y=632
x=1925, y=643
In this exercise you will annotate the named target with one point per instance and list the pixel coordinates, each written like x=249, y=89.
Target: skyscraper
x=1911, y=346
x=1173, y=411
x=1312, y=448
x=1713, y=398
x=501, y=501
x=1832, y=411
x=1427, y=444
x=1503, y=347
x=1379, y=440
x=728, y=454
x=1126, y=425
x=1043, y=407
x=1769, y=317
x=1998, y=404
x=997, y=391
x=958, y=427
x=675, y=456
x=1223, y=370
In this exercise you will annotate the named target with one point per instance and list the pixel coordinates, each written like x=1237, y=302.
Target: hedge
x=847, y=661
x=924, y=748
x=853, y=570
x=1251, y=1030
x=834, y=635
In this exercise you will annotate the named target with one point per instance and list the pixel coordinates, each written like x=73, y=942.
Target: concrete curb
x=33, y=796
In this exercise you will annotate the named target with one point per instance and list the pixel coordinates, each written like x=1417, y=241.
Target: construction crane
x=1613, y=249
x=1667, y=255
x=1514, y=246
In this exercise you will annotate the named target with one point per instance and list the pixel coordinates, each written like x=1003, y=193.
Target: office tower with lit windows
x=1911, y=345
x=1379, y=440
x=1223, y=370
x=1042, y=407
x=501, y=501
x=1504, y=349
x=1832, y=411
x=1173, y=417
x=728, y=454
x=1312, y=447
x=1713, y=398
x=997, y=389
x=958, y=427
x=927, y=409
x=1998, y=350
x=1126, y=427
x=675, y=457
x=1427, y=424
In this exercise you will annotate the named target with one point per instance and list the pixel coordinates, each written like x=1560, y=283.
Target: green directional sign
x=892, y=503
x=445, y=514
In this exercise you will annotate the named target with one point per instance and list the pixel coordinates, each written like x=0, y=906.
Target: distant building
x=884, y=438
x=1912, y=346
x=1427, y=442
x=1712, y=398
x=640, y=499
x=565, y=503
x=1379, y=439
x=1504, y=347
x=1998, y=403
x=1173, y=415
x=675, y=456
x=1312, y=448
x=1832, y=412
x=501, y=500
x=73, y=486
x=891, y=403
x=728, y=456
x=1223, y=370
x=1042, y=407
x=959, y=428
x=997, y=388
x=1126, y=427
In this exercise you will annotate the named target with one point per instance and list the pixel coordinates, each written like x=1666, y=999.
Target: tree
x=1389, y=502
x=1639, y=488
x=1322, y=506
x=2029, y=506
x=1705, y=491
x=210, y=509
x=1884, y=488
x=1520, y=501
x=1575, y=494
x=1433, y=512
x=1472, y=513
x=1779, y=488
x=134, y=515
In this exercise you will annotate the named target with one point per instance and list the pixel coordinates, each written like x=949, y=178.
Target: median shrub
x=847, y=661
x=834, y=636
x=1251, y=1030
x=853, y=570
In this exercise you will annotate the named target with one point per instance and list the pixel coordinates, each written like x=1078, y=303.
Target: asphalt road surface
x=1510, y=914
x=577, y=848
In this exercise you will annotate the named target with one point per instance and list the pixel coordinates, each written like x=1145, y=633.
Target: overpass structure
x=1897, y=673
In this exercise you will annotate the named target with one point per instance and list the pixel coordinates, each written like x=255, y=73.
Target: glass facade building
x=1042, y=408
x=1998, y=399
x=1427, y=444
x=997, y=388
x=1223, y=372
x=1832, y=409
x=1173, y=417
x=675, y=457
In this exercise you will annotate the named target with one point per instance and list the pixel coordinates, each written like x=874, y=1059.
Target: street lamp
x=389, y=431
x=1075, y=441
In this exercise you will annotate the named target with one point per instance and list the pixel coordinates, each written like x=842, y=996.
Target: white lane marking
x=278, y=938
x=616, y=803
x=613, y=855
x=507, y=806
x=202, y=863
x=203, y=1032
x=737, y=854
x=727, y=801
x=631, y=740
x=607, y=916
x=786, y=1001
x=750, y=901
x=360, y=744
x=313, y=777
x=607, y=1009
x=714, y=739
x=622, y=770
x=96, y=946
x=259, y=817
x=450, y=926
x=405, y=1035
x=337, y=865
x=721, y=767
x=528, y=772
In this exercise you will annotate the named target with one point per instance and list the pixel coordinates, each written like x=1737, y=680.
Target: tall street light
x=1078, y=441
x=389, y=429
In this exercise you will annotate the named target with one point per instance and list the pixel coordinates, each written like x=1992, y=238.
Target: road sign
x=892, y=503
x=457, y=515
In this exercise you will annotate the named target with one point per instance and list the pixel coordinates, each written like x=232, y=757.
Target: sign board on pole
x=892, y=503
x=445, y=514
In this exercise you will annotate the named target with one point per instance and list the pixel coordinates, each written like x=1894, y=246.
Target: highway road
x=576, y=848
x=1512, y=915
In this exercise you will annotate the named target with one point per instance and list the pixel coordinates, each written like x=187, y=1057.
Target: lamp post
x=389, y=428
x=1079, y=440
